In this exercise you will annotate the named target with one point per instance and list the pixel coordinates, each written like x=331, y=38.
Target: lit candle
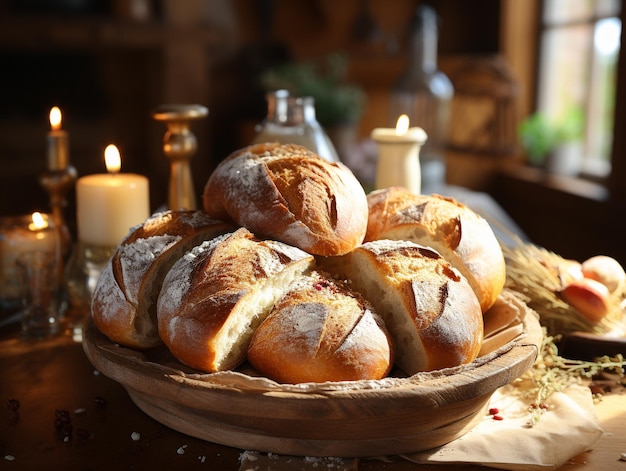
x=108, y=205
x=58, y=147
x=398, y=155
x=20, y=234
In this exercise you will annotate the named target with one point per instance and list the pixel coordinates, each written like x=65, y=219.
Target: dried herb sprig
x=553, y=373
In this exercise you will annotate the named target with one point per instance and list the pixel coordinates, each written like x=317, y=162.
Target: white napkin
x=567, y=428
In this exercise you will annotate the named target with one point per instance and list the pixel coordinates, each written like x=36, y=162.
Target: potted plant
x=554, y=145
x=337, y=102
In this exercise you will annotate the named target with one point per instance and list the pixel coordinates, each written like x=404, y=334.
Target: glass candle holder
x=40, y=314
x=20, y=234
x=81, y=276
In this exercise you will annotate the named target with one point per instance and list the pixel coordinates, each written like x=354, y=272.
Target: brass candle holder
x=179, y=146
x=59, y=177
x=57, y=183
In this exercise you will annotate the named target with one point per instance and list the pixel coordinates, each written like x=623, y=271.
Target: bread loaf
x=123, y=304
x=216, y=295
x=460, y=235
x=321, y=331
x=429, y=308
x=289, y=194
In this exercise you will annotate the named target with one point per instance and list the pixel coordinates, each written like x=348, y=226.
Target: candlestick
x=59, y=178
x=398, y=155
x=179, y=146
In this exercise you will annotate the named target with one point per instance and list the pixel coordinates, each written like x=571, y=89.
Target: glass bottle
x=424, y=93
x=292, y=120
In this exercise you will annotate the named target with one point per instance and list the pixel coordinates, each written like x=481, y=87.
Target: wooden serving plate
x=351, y=419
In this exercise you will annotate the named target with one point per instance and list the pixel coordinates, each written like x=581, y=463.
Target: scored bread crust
x=321, y=331
x=430, y=310
x=216, y=295
x=287, y=193
x=123, y=303
x=459, y=234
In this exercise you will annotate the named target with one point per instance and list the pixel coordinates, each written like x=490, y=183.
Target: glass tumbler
x=40, y=294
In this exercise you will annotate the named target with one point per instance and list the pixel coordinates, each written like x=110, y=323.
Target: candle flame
x=38, y=222
x=55, y=118
x=112, y=159
x=402, y=125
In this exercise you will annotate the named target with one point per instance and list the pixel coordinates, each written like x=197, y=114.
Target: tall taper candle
x=58, y=142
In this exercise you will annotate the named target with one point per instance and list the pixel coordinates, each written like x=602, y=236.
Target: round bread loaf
x=215, y=296
x=430, y=310
x=321, y=331
x=123, y=304
x=287, y=193
x=460, y=235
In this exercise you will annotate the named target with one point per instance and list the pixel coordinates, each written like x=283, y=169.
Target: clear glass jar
x=19, y=235
x=424, y=93
x=292, y=120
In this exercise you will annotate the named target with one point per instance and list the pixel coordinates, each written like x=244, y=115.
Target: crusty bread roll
x=123, y=304
x=216, y=295
x=321, y=331
x=429, y=308
x=460, y=235
x=287, y=193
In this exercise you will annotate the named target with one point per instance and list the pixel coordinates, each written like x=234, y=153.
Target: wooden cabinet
x=108, y=71
x=107, y=74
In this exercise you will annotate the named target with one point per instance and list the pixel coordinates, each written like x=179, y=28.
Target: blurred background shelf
x=109, y=63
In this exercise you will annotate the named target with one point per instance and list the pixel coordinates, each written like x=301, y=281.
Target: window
x=579, y=49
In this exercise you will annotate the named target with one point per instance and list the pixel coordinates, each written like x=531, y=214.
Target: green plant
x=336, y=101
x=539, y=135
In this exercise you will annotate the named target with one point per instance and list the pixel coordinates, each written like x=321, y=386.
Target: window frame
x=592, y=169
x=617, y=178
x=520, y=45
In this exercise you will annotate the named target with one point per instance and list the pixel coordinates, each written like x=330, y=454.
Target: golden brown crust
x=321, y=331
x=431, y=312
x=215, y=296
x=123, y=301
x=205, y=287
x=287, y=193
x=459, y=234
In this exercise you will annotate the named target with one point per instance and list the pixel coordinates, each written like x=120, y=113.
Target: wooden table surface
x=109, y=432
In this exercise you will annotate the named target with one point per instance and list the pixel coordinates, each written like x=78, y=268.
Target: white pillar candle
x=108, y=205
x=398, y=155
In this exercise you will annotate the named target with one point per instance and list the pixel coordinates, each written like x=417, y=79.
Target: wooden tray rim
x=515, y=357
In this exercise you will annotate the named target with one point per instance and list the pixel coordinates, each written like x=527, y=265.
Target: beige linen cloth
x=569, y=427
